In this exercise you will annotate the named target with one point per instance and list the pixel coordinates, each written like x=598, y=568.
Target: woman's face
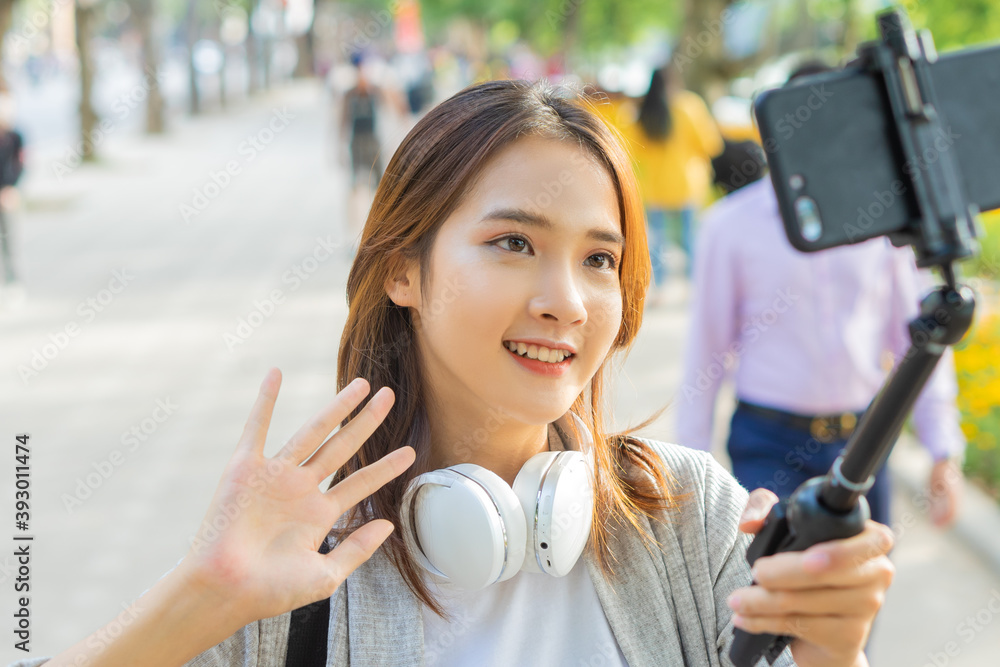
x=528, y=262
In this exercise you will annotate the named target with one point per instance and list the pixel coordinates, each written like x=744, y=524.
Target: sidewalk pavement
x=166, y=360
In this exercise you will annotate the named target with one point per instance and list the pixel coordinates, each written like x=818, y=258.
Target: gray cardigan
x=664, y=609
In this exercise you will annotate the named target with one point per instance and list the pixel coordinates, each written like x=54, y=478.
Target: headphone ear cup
x=513, y=539
x=555, y=490
x=468, y=525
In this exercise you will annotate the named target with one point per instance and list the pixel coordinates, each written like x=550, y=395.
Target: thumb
x=758, y=506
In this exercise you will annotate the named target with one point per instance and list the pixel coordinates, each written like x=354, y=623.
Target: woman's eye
x=608, y=259
x=514, y=243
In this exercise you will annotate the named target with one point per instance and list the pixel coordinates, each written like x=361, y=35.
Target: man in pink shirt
x=807, y=339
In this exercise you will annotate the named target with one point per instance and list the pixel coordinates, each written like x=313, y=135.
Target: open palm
x=257, y=547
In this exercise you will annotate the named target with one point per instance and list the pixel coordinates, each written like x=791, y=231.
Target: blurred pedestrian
x=672, y=140
x=806, y=337
x=359, y=118
x=740, y=163
x=11, y=167
x=362, y=107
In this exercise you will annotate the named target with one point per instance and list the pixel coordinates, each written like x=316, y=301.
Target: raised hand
x=826, y=596
x=257, y=548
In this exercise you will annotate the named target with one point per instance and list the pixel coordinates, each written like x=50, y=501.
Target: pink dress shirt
x=803, y=332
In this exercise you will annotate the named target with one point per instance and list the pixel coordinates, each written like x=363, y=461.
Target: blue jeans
x=766, y=453
x=664, y=226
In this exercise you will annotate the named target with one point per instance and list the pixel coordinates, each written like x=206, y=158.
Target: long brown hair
x=424, y=182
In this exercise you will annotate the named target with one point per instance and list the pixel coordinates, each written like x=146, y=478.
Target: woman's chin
x=537, y=411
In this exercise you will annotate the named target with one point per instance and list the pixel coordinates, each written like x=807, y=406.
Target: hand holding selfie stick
x=833, y=506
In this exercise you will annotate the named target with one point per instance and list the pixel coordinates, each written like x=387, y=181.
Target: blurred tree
x=6, y=17
x=700, y=55
x=305, y=43
x=144, y=13
x=253, y=51
x=552, y=26
x=956, y=24
x=192, y=31
x=84, y=18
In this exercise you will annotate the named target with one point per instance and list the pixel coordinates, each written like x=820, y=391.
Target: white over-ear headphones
x=465, y=524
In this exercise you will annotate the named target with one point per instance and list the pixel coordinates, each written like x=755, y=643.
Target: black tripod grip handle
x=793, y=525
x=747, y=649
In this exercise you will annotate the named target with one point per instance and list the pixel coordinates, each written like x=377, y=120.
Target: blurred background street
x=164, y=261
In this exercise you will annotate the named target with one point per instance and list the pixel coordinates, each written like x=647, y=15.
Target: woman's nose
x=559, y=298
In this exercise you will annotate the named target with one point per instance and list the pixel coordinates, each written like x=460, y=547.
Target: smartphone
x=836, y=161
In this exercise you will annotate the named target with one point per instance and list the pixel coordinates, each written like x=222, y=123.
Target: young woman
x=503, y=264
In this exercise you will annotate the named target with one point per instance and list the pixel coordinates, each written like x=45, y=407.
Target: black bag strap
x=307, y=631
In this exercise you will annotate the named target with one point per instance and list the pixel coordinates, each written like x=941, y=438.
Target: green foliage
x=979, y=401
x=547, y=25
x=956, y=23
x=987, y=263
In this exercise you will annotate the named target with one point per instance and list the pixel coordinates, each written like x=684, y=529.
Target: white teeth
x=538, y=352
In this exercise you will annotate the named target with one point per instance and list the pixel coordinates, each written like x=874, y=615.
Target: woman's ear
x=403, y=285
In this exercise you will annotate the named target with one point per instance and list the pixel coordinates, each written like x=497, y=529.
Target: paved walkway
x=154, y=335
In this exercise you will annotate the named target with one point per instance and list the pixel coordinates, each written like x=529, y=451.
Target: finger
x=353, y=551
x=308, y=438
x=838, y=563
x=758, y=506
x=863, y=602
x=255, y=431
x=366, y=481
x=342, y=445
x=836, y=632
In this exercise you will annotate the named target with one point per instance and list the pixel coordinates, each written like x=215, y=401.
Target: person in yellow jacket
x=672, y=139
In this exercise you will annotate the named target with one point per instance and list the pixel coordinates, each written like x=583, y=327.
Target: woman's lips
x=542, y=367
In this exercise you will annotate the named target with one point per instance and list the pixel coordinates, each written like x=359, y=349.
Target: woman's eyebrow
x=539, y=220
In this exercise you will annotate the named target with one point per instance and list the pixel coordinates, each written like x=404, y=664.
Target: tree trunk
x=265, y=61
x=804, y=33
x=253, y=52
x=849, y=37
x=88, y=118
x=145, y=15
x=6, y=19
x=698, y=58
x=305, y=66
x=191, y=24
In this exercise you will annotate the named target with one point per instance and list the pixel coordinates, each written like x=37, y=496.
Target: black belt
x=825, y=428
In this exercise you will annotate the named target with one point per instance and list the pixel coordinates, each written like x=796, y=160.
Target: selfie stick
x=833, y=506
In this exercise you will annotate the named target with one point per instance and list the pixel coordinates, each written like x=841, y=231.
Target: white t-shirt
x=530, y=619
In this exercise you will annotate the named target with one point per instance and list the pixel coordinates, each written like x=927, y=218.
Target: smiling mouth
x=538, y=352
